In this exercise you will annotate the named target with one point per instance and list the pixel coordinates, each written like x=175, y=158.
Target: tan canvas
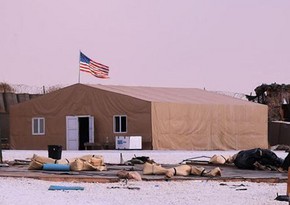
x=166, y=118
x=78, y=100
x=209, y=127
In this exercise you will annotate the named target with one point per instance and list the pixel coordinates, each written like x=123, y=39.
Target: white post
x=79, y=66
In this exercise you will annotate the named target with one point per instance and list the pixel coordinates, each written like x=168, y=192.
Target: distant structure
x=277, y=97
x=8, y=97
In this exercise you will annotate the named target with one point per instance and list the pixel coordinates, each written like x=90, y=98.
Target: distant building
x=277, y=98
x=8, y=99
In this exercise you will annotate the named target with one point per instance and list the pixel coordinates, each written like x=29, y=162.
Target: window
x=38, y=126
x=120, y=123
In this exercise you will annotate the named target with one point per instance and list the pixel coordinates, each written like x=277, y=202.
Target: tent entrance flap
x=79, y=130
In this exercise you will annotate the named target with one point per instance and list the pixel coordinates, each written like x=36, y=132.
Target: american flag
x=96, y=69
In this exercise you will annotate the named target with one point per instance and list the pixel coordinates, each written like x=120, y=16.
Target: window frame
x=120, y=124
x=38, y=131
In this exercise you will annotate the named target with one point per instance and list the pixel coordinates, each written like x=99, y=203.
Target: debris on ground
x=123, y=174
x=281, y=147
x=282, y=198
x=64, y=188
x=237, y=187
x=124, y=187
x=139, y=160
x=4, y=165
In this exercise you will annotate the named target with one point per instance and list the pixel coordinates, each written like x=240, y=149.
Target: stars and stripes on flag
x=96, y=69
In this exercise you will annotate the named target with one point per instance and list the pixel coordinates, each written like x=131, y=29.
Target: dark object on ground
x=124, y=187
x=237, y=187
x=248, y=159
x=286, y=162
x=1, y=156
x=139, y=160
x=142, y=158
x=54, y=151
x=282, y=198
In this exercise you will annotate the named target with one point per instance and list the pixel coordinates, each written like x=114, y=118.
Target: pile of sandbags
x=88, y=163
x=84, y=163
x=181, y=170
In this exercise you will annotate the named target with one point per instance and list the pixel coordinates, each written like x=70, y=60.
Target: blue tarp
x=56, y=187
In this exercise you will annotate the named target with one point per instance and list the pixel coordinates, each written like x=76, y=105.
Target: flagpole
x=79, y=66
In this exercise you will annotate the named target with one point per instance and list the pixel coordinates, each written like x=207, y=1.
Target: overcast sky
x=220, y=45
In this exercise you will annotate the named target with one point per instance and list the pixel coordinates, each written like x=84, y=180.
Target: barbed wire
x=35, y=89
x=241, y=96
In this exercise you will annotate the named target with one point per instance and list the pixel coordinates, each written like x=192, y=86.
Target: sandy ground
x=29, y=191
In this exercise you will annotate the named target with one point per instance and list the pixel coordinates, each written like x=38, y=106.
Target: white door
x=72, y=133
x=91, y=129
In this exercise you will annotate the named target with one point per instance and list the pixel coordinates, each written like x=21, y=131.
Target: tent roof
x=174, y=95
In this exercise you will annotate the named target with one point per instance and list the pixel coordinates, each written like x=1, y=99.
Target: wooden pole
x=79, y=81
x=1, y=157
x=288, y=183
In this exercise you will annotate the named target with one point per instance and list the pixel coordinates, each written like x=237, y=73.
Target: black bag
x=246, y=159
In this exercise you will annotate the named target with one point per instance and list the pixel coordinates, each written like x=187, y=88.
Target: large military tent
x=166, y=118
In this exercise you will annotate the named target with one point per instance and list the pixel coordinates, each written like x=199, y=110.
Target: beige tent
x=166, y=118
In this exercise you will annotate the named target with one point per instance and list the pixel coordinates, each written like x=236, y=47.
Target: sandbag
x=42, y=160
x=77, y=165
x=154, y=168
x=197, y=171
x=213, y=173
x=201, y=171
x=38, y=161
x=129, y=175
x=89, y=157
x=82, y=165
x=35, y=165
x=97, y=161
x=64, y=161
x=221, y=159
x=182, y=170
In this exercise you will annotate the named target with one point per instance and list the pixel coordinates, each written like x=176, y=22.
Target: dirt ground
x=201, y=191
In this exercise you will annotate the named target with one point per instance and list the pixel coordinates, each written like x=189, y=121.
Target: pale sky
x=220, y=45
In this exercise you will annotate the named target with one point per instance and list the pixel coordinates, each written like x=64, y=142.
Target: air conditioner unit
x=128, y=142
